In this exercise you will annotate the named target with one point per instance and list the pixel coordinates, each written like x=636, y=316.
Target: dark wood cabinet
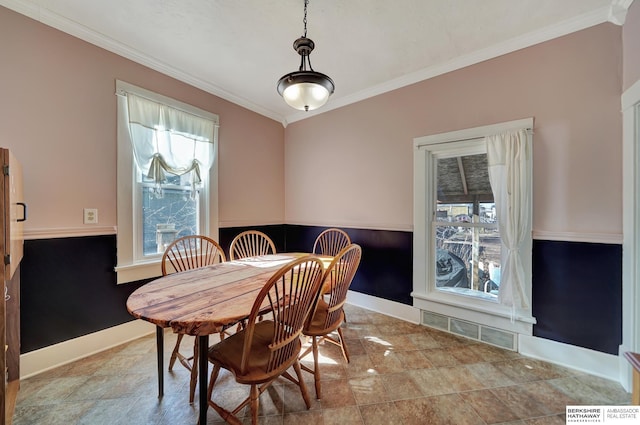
x=14, y=213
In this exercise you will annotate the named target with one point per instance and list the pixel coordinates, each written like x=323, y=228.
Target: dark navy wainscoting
x=68, y=289
x=68, y=285
x=386, y=268
x=577, y=294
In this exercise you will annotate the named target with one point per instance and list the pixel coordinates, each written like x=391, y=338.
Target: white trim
x=138, y=271
x=485, y=313
x=69, y=232
x=577, y=358
x=122, y=88
x=52, y=19
x=379, y=305
x=631, y=96
x=132, y=265
x=626, y=372
x=38, y=361
x=425, y=296
x=355, y=225
x=618, y=11
x=249, y=223
x=44, y=359
x=630, y=102
x=604, y=238
x=474, y=134
x=570, y=356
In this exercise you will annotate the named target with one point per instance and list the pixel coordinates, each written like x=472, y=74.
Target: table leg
x=160, y=353
x=203, y=360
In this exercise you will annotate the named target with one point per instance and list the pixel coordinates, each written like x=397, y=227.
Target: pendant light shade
x=305, y=89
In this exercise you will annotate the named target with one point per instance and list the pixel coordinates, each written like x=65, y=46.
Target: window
x=167, y=177
x=459, y=252
x=465, y=228
x=167, y=214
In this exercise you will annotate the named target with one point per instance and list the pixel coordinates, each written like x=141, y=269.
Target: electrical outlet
x=90, y=216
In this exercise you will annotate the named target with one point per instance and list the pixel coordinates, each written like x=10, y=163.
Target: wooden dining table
x=203, y=301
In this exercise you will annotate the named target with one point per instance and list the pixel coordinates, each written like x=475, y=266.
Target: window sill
x=138, y=271
x=475, y=310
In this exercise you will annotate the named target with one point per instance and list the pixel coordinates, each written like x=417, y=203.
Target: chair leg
x=255, y=401
x=174, y=353
x=224, y=413
x=343, y=345
x=316, y=368
x=194, y=372
x=301, y=384
x=212, y=380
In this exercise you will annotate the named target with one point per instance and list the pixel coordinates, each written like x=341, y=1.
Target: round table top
x=201, y=301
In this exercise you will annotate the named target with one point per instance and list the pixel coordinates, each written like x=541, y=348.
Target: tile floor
x=400, y=373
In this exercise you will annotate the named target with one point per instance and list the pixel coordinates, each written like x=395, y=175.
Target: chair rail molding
x=68, y=232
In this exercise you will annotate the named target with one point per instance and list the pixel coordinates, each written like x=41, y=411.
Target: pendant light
x=305, y=89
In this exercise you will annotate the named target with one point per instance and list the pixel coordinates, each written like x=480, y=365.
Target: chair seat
x=318, y=325
x=226, y=353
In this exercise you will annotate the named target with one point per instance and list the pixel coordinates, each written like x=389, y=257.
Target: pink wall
x=58, y=115
x=360, y=156
x=630, y=49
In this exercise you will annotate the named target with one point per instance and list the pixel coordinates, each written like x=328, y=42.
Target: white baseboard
x=626, y=371
x=38, y=361
x=593, y=362
x=570, y=356
x=582, y=359
x=389, y=308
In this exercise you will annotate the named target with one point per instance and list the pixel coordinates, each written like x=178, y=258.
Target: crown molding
x=618, y=11
x=49, y=18
x=614, y=13
x=568, y=26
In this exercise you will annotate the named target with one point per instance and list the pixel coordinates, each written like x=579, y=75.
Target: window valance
x=169, y=140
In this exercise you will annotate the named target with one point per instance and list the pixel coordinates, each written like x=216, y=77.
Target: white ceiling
x=238, y=49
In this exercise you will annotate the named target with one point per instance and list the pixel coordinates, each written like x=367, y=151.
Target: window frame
x=132, y=265
x=425, y=294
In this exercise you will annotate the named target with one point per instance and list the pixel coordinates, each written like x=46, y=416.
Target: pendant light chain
x=304, y=20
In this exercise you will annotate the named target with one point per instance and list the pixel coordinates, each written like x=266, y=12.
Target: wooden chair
x=187, y=253
x=331, y=242
x=251, y=243
x=191, y=252
x=264, y=350
x=329, y=314
x=634, y=359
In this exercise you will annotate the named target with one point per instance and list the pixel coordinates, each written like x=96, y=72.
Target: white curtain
x=169, y=140
x=508, y=159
